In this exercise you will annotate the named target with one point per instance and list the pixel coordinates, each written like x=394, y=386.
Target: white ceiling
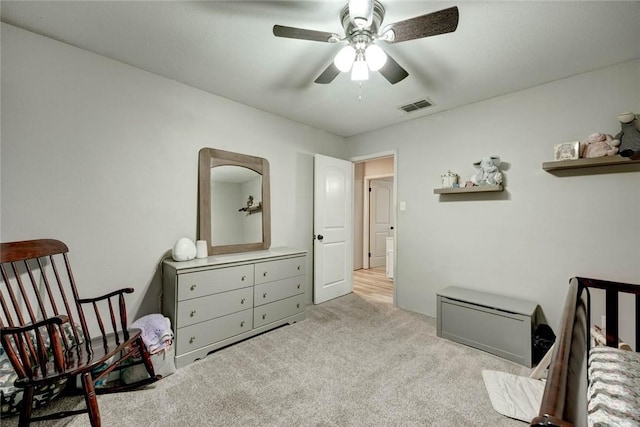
x=227, y=48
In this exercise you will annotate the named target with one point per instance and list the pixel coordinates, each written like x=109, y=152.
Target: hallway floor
x=373, y=284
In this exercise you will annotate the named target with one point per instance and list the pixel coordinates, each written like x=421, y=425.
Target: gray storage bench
x=495, y=323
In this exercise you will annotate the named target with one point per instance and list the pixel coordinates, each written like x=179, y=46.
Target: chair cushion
x=11, y=396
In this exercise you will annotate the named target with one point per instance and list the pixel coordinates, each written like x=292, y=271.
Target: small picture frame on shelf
x=566, y=151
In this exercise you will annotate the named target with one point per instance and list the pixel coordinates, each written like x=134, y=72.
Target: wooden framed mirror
x=234, y=210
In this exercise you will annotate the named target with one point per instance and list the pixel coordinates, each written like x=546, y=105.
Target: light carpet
x=351, y=362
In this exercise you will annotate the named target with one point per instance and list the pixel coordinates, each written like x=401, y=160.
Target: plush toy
x=487, y=172
x=598, y=145
x=629, y=137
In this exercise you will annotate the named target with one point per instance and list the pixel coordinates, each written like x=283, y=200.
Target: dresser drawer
x=200, y=309
x=205, y=333
x=200, y=283
x=277, y=310
x=274, y=291
x=280, y=269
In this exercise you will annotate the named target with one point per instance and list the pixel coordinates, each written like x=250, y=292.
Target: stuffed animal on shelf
x=487, y=172
x=598, y=145
x=629, y=137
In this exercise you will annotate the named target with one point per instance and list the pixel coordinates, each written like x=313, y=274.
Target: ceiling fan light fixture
x=375, y=56
x=361, y=12
x=360, y=70
x=362, y=24
x=344, y=59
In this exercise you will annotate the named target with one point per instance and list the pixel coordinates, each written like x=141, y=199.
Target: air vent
x=417, y=105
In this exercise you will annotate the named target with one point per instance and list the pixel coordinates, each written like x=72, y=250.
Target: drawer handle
x=298, y=268
x=264, y=316
x=298, y=285
x=264, y=274
x=264, y=295
x=243, y=278
x=191, y=340
x=193, y=287
x=242, y=324
x=242, y=301
x=298, y=305
x=193, y=313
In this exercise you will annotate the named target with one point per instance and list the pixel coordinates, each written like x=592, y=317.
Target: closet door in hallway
x=380, y=219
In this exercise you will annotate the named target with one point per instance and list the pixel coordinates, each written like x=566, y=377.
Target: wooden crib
x=566, y=395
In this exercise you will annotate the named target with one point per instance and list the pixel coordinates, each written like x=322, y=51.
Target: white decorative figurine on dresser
x=219, y=300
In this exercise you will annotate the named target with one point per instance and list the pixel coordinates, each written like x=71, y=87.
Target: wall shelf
x=587, y=163
x=251, y=210
x=478, y=189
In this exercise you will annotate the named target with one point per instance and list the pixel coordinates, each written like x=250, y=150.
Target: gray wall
x=528, y=241
x=104, y=156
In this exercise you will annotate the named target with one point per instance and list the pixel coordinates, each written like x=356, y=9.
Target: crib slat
x=612, y=317
x=637, y=323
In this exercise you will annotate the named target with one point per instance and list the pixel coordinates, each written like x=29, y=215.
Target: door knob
x=320, y=237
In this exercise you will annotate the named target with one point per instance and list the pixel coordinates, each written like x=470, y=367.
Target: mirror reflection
x=236, y=205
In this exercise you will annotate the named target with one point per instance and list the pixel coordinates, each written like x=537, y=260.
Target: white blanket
x=514, y=396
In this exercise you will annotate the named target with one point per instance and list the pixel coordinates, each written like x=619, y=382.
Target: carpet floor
x=351, y=362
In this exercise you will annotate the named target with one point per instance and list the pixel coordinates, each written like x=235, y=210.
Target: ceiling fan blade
x=301, y=33
x=431, y=24
x=328, y=75
x=392, y=71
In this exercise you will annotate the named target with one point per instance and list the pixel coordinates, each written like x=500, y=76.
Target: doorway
x=375, y=202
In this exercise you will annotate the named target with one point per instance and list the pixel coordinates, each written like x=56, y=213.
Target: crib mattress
x=614, y=388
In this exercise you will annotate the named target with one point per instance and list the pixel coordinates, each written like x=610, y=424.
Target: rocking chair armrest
x=56, y=320
x=106, y=296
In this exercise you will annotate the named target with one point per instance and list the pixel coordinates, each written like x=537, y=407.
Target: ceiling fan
x=361, y=20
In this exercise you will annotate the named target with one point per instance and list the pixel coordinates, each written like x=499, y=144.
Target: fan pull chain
x=359, y=91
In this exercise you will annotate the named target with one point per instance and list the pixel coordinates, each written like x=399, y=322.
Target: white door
x=332, y=228
x=380, y=220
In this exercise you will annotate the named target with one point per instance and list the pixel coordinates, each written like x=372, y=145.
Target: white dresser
x=222, y=299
